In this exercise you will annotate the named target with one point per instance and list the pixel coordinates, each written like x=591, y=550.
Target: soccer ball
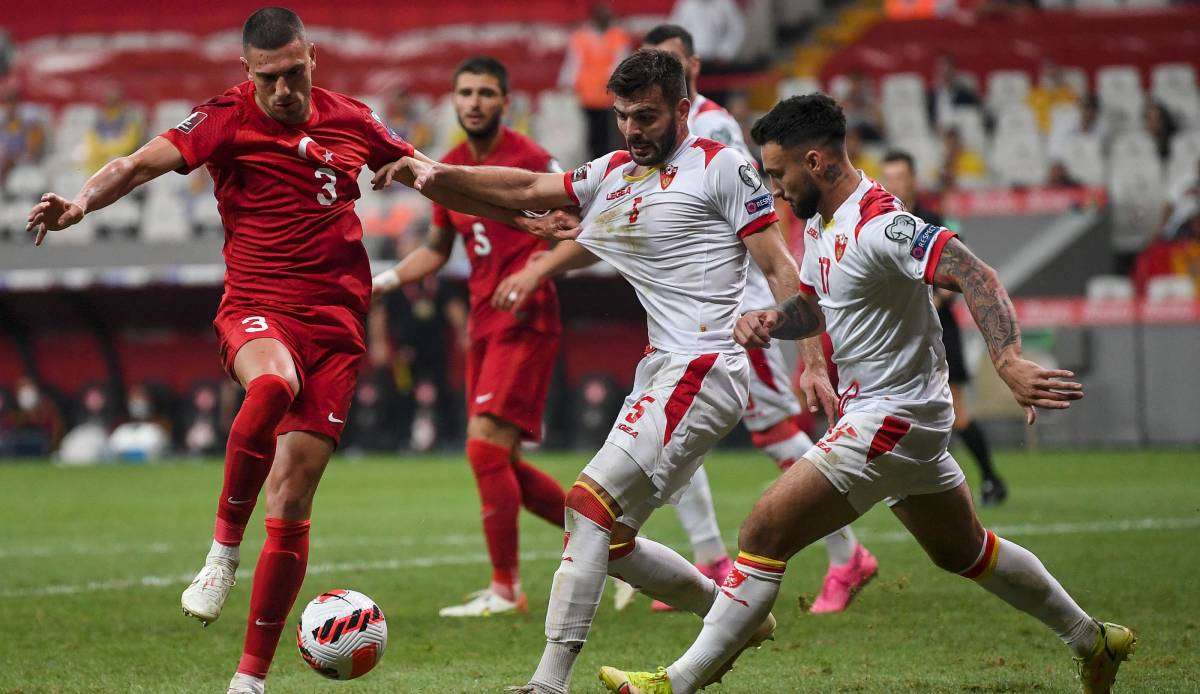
x=341, y=634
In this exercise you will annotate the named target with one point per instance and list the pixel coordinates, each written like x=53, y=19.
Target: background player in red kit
x=285, y=157
x=511, y=356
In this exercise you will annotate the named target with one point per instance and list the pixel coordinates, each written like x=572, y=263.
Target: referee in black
x=900, y=178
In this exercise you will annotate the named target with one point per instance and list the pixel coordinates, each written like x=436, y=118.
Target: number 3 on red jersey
x=328, y=192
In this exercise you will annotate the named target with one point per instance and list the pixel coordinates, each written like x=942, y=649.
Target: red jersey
x=286, y=194
x=497, y=250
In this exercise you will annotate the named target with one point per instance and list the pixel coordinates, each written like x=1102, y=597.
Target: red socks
x=500, y=497
x=277, y=580
x=542, y=495
x=249, y=453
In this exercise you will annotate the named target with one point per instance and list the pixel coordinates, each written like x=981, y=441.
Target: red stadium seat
x=69, y=360
x=176, y=359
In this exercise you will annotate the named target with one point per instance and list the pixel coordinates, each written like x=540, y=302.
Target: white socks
x=574, y=597
x=247, y=683
x=660, y=572
x=788, y=449
x=1013, y=574
x=742, y=605
x=224, y=553
x=699, y=520
x=840, y=545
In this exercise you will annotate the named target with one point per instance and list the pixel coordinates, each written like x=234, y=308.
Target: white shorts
x=681, y=405
x=771, y=397
x=871, y=457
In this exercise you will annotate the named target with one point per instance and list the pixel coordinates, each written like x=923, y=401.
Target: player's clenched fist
x=53, y=213
x=753, y=329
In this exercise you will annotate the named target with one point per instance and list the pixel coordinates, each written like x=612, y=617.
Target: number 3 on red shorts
x=257, y=324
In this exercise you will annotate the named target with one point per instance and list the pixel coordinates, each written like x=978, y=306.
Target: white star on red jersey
x=328, y=156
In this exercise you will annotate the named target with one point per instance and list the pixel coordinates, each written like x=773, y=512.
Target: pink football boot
x=717, y=571
x=843, y=582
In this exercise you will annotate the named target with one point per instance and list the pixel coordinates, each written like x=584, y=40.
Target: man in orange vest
x=592, y=52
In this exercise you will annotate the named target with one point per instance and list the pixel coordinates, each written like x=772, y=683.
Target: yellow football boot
x=1097, y=671
x=635, y=682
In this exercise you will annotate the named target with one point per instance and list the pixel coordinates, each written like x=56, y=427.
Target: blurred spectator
x=87, y=442
x=899, y=176
x=862, y=108
x=717, y=27
x=1053, y=91
x=1178, y=256
x=1059, y=177
x=863, y=158
x=1090, y=122
x=593, y=50
x=6, y=422
x=118, y=131
x=1161, y=127
x=146, y=436
x=36, y=425
x=371, y=426
x=7, y=50
x=22, y=138
x=202, y=433
x=949, y=90
x=962, y=167
x=401, y=115
x=1181, y=216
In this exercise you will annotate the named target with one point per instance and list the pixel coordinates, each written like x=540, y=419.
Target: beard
x=660, y=150
x=806, y=206
x=485, y=131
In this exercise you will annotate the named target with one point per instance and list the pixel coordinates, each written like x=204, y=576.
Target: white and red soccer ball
x=342, y=634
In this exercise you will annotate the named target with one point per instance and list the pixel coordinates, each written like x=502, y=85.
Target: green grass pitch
x=92, y=562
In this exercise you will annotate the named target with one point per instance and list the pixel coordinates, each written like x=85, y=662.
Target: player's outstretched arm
x=113, y=181
x=422, y=262
x=503, y=186
x=960, y=270
x=513, y=290
x=769, y=250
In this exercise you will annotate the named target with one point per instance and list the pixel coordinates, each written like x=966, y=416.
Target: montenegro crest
x=839, y=246
x=666, y=176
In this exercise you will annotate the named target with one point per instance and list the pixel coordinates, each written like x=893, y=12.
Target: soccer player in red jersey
x=511, y=357
x=285, y=157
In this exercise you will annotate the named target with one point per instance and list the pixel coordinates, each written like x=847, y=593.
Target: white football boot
x=206, y=595
x=245, y=684
x=623, y=594
x=485, y=603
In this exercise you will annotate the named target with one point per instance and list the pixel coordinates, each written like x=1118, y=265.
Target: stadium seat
x=1083, y=159
x=1119, y=88
x=798, y=85
x=206, y=216
x=123, y=216
x=926, y=153
x=902, y=90
x=559, y=126
x=1109, y=287
x=26, y=181
x=1017, y=119
x=1185, y=156
x=1170, y=288
x=168, y=114
x=1136, y=187
x=1019, y=158
x=906, y=122
x=1006, y=89
x=1174, y=84
x=968, y=121
x=163, y=219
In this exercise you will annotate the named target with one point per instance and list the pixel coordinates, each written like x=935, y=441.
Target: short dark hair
x=896, y=155
x=645, y=69
x=811, y=120
x=484, y=65
x=271, y=28
x=666, y=32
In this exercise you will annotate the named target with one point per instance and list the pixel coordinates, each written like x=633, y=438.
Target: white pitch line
x=179, y=580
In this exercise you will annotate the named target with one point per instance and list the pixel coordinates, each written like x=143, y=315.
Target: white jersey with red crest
x=675, y=233
x=871, y=267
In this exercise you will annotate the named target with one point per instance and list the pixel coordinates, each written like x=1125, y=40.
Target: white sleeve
x=739, y=194
x=809, y=272
x=897, y=243
x=583, y=182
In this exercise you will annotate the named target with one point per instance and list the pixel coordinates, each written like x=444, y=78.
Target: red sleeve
x=441, y=217
x=205, y=131
x=755, y=225
x=385, y=145
x=570, y=187
x=935, y=253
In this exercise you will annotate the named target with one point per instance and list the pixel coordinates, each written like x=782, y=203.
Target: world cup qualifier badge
x=189, y=124
x=750, y=177
x=580, y=173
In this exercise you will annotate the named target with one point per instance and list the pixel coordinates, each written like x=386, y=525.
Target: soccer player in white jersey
x=773, y=407
x=673, y=215
x=869, y=267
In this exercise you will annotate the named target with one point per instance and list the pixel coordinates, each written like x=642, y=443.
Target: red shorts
x=326, y=343
x=508, y=375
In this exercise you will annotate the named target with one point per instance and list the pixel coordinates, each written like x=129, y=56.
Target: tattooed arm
x=1032, y=386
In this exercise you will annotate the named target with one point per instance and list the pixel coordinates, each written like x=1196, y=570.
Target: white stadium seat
x=1018, y=119
x=1007, y=88
x=1120, y=90
x=926, y=153
x=26, y=181
x=1170, y=287
x=906, y=122
x=902, y=90
x=796, y=86
x=1019, y=158
x=968, y=121
x=163, y=219
x=1136, y=186
x=168, y=114
x=1102, y=287
x=1185, y=156
x=1083, y=158
x=1174, y=84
